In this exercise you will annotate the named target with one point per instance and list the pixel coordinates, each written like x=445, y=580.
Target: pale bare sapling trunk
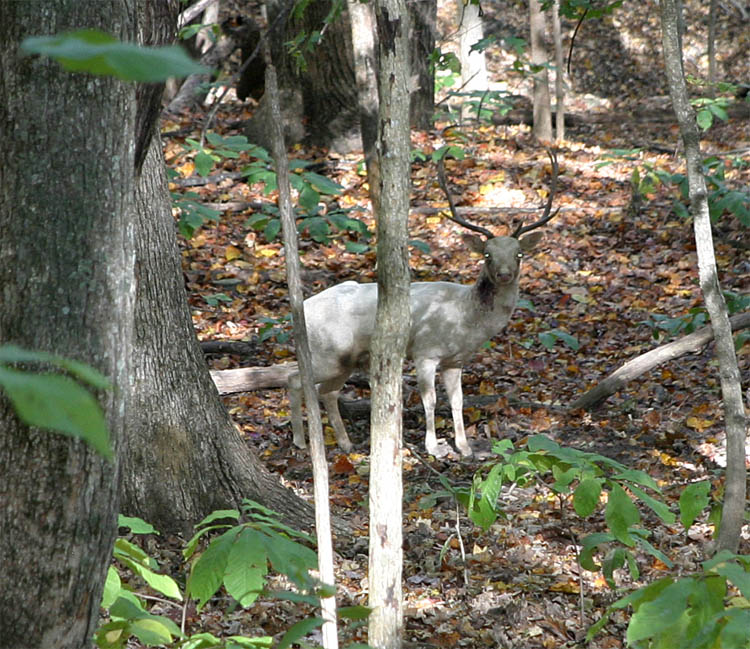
x=732, y=517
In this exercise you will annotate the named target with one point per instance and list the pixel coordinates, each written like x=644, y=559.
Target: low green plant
x=275, y=328
x=245, y=543
x=696, y=318
x=707, y=610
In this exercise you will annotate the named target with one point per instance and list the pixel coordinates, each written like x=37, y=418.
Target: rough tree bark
x=66, y=286
x=423, y=27
x=391, y=328
x=542, y=110
x=732, y=517
x=184, y=456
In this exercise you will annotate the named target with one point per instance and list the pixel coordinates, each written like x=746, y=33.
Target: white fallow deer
x=448, y=323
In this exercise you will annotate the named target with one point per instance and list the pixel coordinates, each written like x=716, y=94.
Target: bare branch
x=454, y=214
x=546, y=216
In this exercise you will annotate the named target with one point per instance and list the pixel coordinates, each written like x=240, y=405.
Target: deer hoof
x=440, y=449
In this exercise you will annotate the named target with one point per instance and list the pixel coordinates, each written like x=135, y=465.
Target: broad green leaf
x=246, y=568
x=112, y=587
x=219, y=515
x=207, y=573
x=660, y=508
x=58, y=403
x=704, y=119
x=299, y=630
x=621, y=514
x=203, y=163
x=736, y=632
x=588, y=545
x=693, y=500
x=89, y=50
x=151, y=632
x=650, y=618
x=201, y=641
x=586, y=496
x=83, y=372
x=135, y=525
x=124, y=549
x=739, y=577
x=354, y=612
x=240, y=642
x=356, y=247
x=322, y=184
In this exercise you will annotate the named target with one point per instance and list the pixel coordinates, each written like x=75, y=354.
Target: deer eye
x=519, y=255
x=486, y=255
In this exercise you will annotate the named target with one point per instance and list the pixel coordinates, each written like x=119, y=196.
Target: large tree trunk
x=185, y=457
x=66, y=286
x=391, y=329
x=319, y=101
x=422, y=31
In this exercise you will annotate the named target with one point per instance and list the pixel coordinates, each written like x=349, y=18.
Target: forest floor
x=611, y=262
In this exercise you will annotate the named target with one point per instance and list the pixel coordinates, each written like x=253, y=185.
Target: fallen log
x=247, y=379
x=690, y=344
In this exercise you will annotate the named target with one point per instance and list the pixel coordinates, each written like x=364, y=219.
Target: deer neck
x=488, y=297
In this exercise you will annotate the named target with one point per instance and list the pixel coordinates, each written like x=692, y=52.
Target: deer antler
x=454, y=215
x=546, y=216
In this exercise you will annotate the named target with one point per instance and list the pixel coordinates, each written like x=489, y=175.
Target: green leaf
x=356, y=247
x=135, y=524
x=693, y=500
x=93, y=51
x=420, y=245
x=322, y=184
x=660, y=508
x=81, y=371
x=354, y=612
x=299, y=630
x=653, y=617
x=151, y=632
x=246, y=568
x=112, y=588
x=588, y=545
x=621, y=514
x=58, y=403
x=203, y=163
x=705, y=119
x=586, y=496
x=208, y=571
x=737, y=575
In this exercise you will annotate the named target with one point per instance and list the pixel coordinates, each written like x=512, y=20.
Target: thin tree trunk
x=66, y=287
x=391, y=329
x=732, y=517
x=559, y=74
x=473, y=66
x=304, y=358
x=713, y=8
x=542, y=110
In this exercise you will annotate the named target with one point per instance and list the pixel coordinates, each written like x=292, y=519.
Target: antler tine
x=454, y=215
x=546, y=216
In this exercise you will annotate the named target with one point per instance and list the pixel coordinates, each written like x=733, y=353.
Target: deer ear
x=475, y=242
x=530, y=240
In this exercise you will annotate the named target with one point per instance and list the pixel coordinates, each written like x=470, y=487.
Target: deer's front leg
x=426, y=383
x=452, y=383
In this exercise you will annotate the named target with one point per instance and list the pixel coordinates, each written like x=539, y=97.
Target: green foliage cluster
x=55, y=401
x=722, y=199
x=245, y=544
x=696, y=318
x=699, y=611
x=310, y=186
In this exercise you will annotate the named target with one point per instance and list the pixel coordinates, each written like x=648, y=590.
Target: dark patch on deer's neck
x=485, y=291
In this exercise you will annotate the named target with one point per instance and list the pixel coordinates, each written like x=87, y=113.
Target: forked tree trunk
x=66, y=286
x=391, y=329
x=733, y=511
